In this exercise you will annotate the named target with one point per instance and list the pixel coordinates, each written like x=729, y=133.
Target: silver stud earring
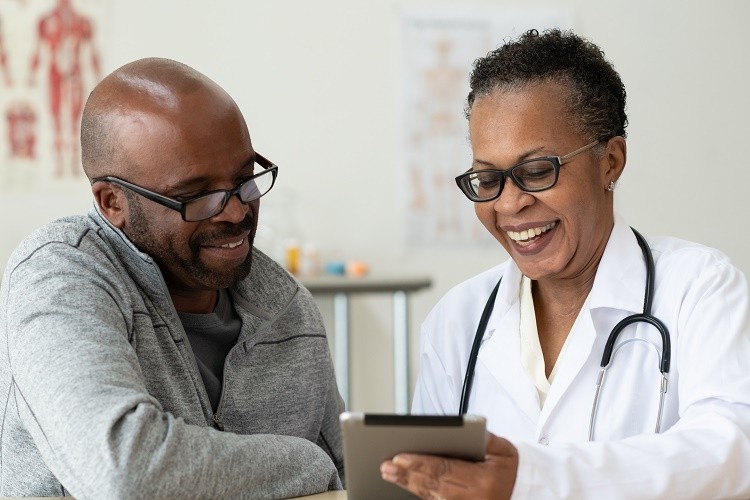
x=611, y=186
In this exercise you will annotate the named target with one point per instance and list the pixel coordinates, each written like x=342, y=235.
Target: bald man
x=148, y=349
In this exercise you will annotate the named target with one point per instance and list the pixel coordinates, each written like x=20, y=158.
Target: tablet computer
x=369, y=439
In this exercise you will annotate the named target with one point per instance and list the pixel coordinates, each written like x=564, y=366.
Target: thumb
x=499, y=446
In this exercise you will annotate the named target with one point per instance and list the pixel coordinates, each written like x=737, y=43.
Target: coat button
x=544, y=440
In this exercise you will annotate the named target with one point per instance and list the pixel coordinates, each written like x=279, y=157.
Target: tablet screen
x=369, y=439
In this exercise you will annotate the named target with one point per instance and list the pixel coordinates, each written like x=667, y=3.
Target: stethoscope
x=609, y=349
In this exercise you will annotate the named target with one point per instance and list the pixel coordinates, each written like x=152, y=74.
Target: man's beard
x=174, y=263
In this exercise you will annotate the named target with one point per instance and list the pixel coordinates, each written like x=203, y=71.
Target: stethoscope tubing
x=609, y=348
x=474, y=353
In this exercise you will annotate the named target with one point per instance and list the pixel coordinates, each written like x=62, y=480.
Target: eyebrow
x=528, y=155
x=197, y=183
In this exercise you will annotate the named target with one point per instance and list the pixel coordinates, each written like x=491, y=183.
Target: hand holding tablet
x=371, y=439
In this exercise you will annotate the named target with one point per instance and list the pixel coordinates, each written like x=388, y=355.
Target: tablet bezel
x=371, y=438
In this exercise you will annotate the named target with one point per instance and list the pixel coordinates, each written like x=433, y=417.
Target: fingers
x=433, y=477
x=429, y=477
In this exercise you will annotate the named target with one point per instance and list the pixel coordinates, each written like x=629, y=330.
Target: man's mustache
x=227, y=230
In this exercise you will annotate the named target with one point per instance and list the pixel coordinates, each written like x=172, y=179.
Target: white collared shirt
x=532, y=357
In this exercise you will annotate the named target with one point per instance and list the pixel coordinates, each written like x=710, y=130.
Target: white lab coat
x=703, y=450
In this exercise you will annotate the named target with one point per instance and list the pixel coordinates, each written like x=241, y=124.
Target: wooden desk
x=341, y=288
x=328, y=495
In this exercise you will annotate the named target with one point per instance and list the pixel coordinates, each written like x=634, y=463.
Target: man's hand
x=440, y=478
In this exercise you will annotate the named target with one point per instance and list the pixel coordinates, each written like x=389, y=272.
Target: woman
x=547, y=125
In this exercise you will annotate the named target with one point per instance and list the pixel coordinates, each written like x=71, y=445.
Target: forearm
x=147, y=453
x=103, y=439
x=78, y=390
x=706, y=455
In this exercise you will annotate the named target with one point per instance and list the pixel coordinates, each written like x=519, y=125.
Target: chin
x=214, y=279
x=237, y=274
x=535, y=271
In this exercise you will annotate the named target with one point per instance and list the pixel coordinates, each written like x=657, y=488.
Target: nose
x=512, y=199
x=234, y=211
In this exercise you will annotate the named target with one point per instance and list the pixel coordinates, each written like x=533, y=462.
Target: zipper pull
x=217, y=423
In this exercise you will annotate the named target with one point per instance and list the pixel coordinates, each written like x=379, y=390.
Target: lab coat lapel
x=501, y=347
x=617, y=292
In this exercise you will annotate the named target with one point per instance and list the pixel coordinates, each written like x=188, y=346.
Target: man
x=148, y=349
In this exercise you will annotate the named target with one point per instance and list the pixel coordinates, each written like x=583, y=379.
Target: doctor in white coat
x=547, y=124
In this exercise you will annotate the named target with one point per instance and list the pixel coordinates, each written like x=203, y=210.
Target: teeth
x=233, y=245
x=530, y=233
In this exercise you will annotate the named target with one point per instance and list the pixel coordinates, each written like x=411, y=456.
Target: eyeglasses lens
x=205, y=206
x=255, y=188
x=532, y=176
x=213, y=203
x=535, y=175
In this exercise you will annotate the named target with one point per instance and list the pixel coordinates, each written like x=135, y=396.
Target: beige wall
x=318, y=83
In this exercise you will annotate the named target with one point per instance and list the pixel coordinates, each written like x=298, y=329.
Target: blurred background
x=360, y=103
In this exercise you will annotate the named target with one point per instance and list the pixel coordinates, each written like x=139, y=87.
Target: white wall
x=318, y=83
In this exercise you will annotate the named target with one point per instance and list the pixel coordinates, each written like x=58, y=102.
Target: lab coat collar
x=507, y=299
x=501, y=345
x=619, y=284
x=621, y=277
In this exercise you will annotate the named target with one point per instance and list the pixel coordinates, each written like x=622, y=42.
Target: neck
x=563, y=296
x=567, y=290
x=557, y=304
x=195, y=301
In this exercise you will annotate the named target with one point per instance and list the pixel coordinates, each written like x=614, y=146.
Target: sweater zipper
x=217, y=422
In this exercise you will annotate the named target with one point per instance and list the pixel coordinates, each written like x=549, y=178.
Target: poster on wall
x=50, y=59
x=438, y=47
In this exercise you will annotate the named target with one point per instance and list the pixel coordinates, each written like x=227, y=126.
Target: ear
x=111, y=201
x=613, y=160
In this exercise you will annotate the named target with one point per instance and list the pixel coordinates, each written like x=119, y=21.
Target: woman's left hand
x=440, y=478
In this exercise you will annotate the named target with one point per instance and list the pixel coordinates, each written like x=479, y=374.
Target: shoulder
x=690, y=274
x=675, y=255
x=57, y=241
x=471, y=293
x=66, y=266
x=459, y=310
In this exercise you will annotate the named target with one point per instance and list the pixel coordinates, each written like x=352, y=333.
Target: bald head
x=152, y=85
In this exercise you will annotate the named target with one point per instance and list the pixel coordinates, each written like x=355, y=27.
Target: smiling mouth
x=529, y=234
x=233, y=245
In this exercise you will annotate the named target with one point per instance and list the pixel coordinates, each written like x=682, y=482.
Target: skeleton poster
x=50, y=59
x=437, y=50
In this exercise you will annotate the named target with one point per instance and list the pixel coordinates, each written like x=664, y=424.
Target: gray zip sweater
x=101, y=395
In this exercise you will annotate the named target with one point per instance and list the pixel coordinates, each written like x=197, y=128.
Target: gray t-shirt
x=211, y=337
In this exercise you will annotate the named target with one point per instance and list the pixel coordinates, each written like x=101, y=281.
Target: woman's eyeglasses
x=533, y=175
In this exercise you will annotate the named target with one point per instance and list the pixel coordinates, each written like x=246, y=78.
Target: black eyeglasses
x=205, y=206
x=533, y=175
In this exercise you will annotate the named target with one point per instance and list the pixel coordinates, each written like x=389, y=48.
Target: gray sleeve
x=80, y=393
x=330, y=433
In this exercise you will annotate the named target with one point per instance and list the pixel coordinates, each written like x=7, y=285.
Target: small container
x=310, y=260
x=356, y=269
x=335, y=268
x=292, y=256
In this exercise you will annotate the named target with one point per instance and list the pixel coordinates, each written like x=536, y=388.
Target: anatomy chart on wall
x=437, y=49
x=50, y=59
